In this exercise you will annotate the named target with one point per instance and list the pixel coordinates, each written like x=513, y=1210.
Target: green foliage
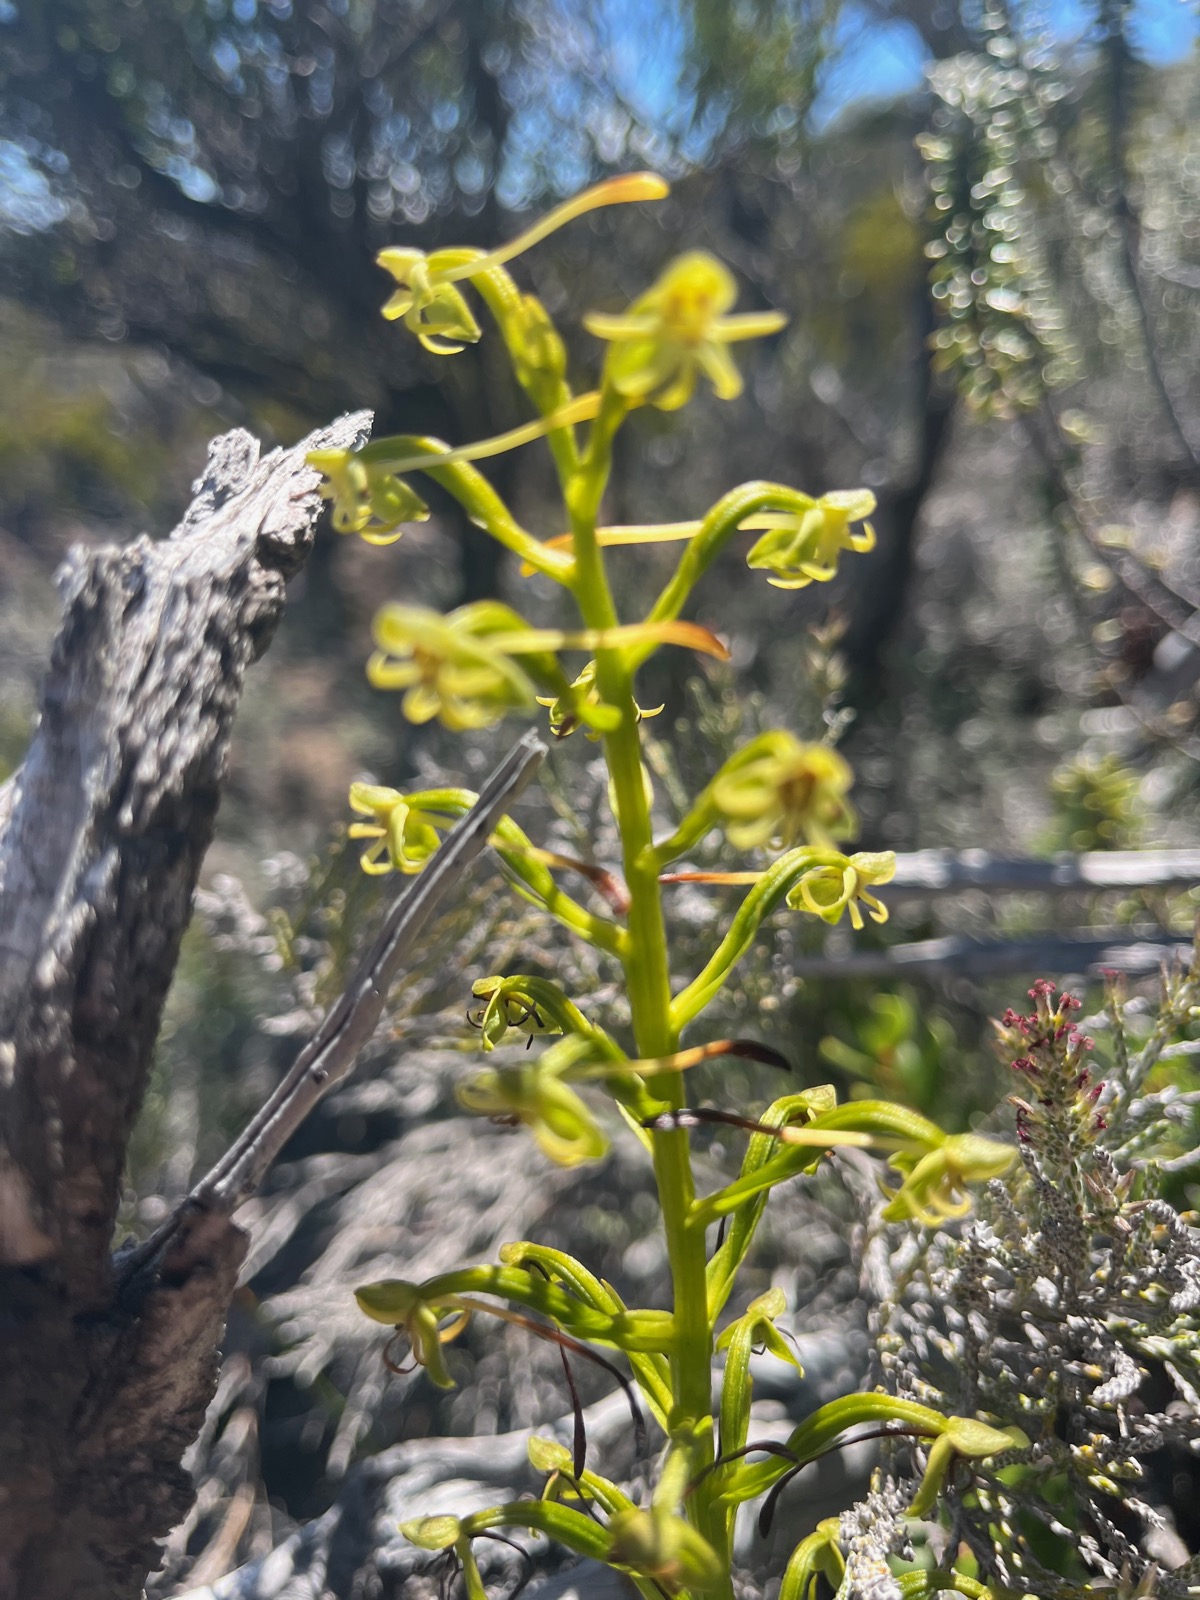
x=775, y=795
x=899, y=1047
x=1096, y=804
x=992, y=136
x=1071, y=1306
x=63, y=440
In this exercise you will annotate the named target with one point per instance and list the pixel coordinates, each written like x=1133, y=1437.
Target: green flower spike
x=367, y=499
x=677, y=328
x=778, y=791
x=446, y=665
x=403, y=837
x=935, y=1186
x=840, y=883
x=562, y=1125
x=435, y=311
x=804, y=549
x=402, y=1305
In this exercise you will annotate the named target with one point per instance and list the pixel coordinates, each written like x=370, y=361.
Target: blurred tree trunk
x=105, y=1371
x=881, y=600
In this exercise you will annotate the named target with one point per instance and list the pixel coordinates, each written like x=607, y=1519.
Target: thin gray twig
x=349, y=1024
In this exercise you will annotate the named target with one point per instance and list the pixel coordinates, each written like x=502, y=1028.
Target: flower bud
x=662, y=1546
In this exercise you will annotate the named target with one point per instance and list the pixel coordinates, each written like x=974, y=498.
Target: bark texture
x=104, y=1374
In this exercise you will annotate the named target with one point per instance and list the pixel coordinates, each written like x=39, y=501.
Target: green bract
x=779, y=792
x=666, y=1549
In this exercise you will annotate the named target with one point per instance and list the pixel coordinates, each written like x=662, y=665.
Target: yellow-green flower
x=804, y=549
x=508, y=1004
x=367, y=499
x=581, y=703
x=446, y=665
x=819, y=1555
x=432, y=309
x=756, y=1327
x=841, y=883
x=404, y=837
x=432, y=1533
x=562, y=1125
x=778, y=791
x=678, y=328
x=403, y=1306
x=966, y=1437
x=935, y=1184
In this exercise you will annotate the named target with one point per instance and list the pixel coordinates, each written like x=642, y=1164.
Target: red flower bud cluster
x=1050, y=1053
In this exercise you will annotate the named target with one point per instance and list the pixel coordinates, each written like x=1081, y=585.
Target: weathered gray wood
x=935, y=872
x=1045, y=955
x=102, y=832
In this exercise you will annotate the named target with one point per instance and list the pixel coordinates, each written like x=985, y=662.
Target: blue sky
x=880, y=59
x=876, y=60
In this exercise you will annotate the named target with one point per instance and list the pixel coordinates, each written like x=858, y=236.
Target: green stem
x=762, y=899
x=715, y=532
x=647, y=971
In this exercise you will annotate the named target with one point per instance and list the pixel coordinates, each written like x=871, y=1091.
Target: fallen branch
x=102, y=833
x=934, y=872
x=350, y=1023
x=961, y=955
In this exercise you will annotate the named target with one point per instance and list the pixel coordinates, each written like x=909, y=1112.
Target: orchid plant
x=777, y=797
